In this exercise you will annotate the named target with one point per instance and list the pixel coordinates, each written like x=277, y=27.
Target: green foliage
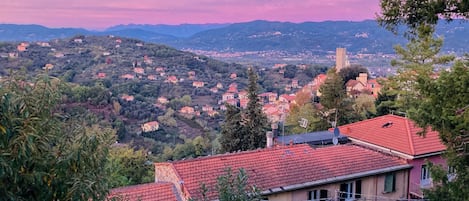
x=235, y=187
x=168, y=118
x=414, y=13
x=439, y=104
x=253, y=119
x=443, y=106
x=365, y=106
x=245, y=129
x=337, y=106
x=231, y=187
x=199, y=146
x=232, y=130
x=290, y=71
x=418, y=59
x=304, y=108
x=352, y=72
x=45, y=154
x=129, y=167
x=385, y=102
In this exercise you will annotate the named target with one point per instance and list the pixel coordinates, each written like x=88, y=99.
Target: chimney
x=270, y=139
x=363, y=78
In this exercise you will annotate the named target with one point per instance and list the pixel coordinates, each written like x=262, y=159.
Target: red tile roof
x=161, y=191
x=281, y=167
x=396, y=133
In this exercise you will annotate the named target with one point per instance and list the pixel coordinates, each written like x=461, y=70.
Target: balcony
x=415, y=189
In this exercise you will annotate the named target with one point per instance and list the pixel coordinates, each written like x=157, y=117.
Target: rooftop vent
x=387, y=125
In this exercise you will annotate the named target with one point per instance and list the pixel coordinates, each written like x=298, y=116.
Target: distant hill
x=314, y=37
x=13, y=32
x=182, y=31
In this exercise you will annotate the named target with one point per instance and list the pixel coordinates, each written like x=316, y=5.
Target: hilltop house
x=139, y=70
x=101, y=75
x=48, y=67
x=398, y=136
x=187, y=110
x=150, y=126
x=162, y=100
x=233, y=76
x=227, y=96
x=198, y=84
x=127, y=76
x=299, y=172
x=361, y=85
x=172, y=79
x=127, y=97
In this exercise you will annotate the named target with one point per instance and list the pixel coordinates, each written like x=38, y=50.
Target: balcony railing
x=416, y=188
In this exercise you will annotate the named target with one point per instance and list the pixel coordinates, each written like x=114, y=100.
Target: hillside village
x=387, y=157
x=382, y=159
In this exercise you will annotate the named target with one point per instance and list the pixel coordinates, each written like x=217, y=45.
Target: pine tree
x=245, y=129
x=232, y=130
x=419, y=59
x=253, y=118
x=445, y=107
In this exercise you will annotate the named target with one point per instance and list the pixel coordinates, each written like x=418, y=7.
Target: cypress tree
x=253, y=119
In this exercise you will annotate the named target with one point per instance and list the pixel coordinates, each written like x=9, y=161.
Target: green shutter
x=389, y=183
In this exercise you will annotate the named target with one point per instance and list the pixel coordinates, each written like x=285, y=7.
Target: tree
x=129, y=167
x=365, y=106
x=245, y=129
x=443, y=101
x=304, y=108
x=337, y=107
x=385, y=103
x=253, y=118
x=232, y=130
x=418, y=59
x=44, y=153
x=352, y=72
x=414, y=13
x=443, y=107
x=290, y=71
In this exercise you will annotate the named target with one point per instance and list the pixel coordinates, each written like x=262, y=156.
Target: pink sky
x=99, y=14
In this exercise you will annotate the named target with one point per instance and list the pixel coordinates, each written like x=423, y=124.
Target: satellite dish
x=335, y=141
x=336, y=132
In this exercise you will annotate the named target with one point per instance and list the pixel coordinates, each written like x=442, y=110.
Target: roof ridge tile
x=409, y=135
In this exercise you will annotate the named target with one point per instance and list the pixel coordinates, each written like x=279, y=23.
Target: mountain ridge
x=365, y=37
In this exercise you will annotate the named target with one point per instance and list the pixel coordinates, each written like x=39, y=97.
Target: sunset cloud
x=101, y=14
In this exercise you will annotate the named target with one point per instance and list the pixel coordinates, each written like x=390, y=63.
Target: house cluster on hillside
x=382, y=159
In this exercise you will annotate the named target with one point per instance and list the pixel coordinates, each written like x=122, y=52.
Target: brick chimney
x=270, y=139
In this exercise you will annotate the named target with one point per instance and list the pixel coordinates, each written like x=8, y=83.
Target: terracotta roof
x=396, y=133
x=161, y=191
x=282, y=167
x=352, y=83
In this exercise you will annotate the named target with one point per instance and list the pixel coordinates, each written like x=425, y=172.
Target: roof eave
x=334, y=179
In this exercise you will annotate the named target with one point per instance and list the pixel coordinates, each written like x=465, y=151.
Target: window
x=390, y=183
x=317, y=195
x=347, y=190
x=451, y=173
x=425, y=173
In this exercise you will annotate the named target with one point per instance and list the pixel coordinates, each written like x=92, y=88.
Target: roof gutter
x=334, y=179
x=380, y=148
x=398, y=153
